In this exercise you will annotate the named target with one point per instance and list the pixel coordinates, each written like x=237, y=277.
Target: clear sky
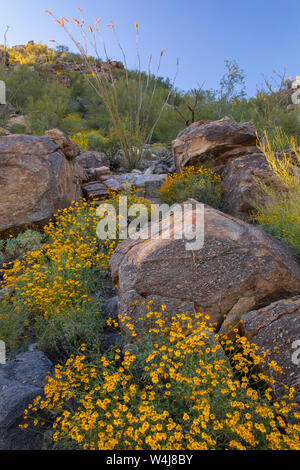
x=262, y=35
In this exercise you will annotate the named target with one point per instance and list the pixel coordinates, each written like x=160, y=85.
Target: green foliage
x=279, y=211
x=28, y=240
x=279, y=140
x=32, y=53
x=159, y=150
x=233, y=78
x=72, y=124
x=280, y=215
x=96, y=141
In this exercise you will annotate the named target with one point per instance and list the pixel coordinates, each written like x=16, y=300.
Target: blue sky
x=262, y=35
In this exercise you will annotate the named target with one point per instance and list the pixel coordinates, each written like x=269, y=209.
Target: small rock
x=69, y=148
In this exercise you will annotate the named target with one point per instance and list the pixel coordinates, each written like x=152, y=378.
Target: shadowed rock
x=36, y=179
x=238, y=261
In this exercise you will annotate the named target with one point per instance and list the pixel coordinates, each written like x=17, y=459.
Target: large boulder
x=21, y=380
x=213, y=143
x=4, y=58
x=240, y=183
x=276, y=328
x=36, y=179
x=239, y=267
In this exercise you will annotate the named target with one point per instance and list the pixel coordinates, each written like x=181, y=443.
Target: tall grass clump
x=279, y=213
x=133, y=119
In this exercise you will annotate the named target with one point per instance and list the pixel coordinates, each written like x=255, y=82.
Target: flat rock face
x=36, y=179
x=21, y=380
x=239, y=181
x=277, y=328
x=213, y=143
x=238, y=261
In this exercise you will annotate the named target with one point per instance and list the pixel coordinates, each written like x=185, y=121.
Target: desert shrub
x=201, y=184
x=81, y=139
x=95, y=141
x=279, y=140
x=54, y=287
x=279, y=213
x=18, y=129
x=32, y=53
x=175, y=390
x=25, y=83
x=92, y=139
x=72, y=123
x=13, y=326
x=28, y=240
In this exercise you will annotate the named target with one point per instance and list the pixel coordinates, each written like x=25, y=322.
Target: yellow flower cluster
x=178, y=391
x=51, y=279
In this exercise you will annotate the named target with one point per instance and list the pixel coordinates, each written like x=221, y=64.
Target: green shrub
x=96, y=141
x=13, y=326
x=279, y=139
x=56, y=299
x=174, y=390
x=48, y=110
